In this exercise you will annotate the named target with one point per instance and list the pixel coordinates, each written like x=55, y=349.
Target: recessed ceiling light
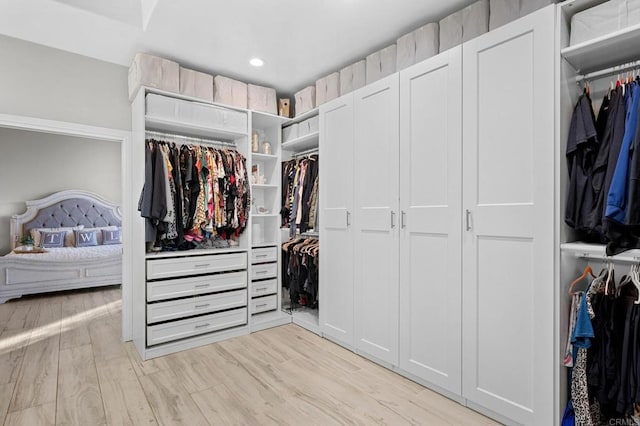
x=256, y=62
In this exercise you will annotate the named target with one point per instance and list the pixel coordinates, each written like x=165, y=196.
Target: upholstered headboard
x=65, y=208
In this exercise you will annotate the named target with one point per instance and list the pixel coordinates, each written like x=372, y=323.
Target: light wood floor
x=62, y=362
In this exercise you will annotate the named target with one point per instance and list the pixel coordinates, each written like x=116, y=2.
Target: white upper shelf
x=303, y=116
x=302, y=143
x=188, y=129
x=609, y=50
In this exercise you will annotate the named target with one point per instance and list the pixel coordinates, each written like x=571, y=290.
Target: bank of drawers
x=189, y=296
x=264, y=280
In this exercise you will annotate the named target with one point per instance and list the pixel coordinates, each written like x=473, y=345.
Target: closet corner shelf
x=598, y=251
x=304, y=116
x=263, y=185
x=259, y=156
x=187, y=129
x=302, y=143
x=263, y=120
x=609, y=50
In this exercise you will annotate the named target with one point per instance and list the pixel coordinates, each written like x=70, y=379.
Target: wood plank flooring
x=62, y=362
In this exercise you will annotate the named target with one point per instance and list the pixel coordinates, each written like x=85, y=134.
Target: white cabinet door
x=431, y=222
x=336, y=234
x=508, y=250
x=376, y=219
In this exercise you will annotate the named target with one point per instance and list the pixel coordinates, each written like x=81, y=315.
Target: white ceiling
x=299, y=40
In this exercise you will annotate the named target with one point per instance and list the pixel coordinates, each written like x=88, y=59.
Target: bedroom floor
x=62, y=362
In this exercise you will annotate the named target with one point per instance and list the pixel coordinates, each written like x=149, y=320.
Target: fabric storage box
x=599, y=20
x=308, y=126
x=528, y=6
x=202, y=115
x=633, y=12
x=327, y=88
x=417, y=46
x=381, y=63
x=450, y=31
x=305, y=100
x=502, y=12
x=289, y=133
x=353, y=77
x=155, y=72
x=262, y=99
x=196, y=84
x=427, y=41
x=229, y=91
x=475, y=20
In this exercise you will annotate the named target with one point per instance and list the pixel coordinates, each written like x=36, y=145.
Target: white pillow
x=69, y=238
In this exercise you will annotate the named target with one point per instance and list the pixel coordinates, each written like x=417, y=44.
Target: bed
x=63, y=268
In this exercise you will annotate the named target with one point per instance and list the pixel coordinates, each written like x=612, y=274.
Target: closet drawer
x=262, y=288
x=174, y=309
x=268, y=270
x=263, y=304
x=262, y=255
x=174, y=330
x=183, y=287
x=196, y=265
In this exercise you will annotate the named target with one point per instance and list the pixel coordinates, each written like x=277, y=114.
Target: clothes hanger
x=635, y=279
x=586, y=271
x=609, y=277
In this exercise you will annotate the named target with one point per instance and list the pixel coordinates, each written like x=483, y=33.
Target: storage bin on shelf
x=381, y=64
x=599, y=20
x=229, y=91
x=305, y=100
x=417, y=45
x=327, y=88
x=196, y=84
x=262, y=99
x=353, y=77
x=475, y=20
x=155, y=72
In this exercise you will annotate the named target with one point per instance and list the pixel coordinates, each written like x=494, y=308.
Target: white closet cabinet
x=431, y=222
x=376, y=112
x=336, y=200
x=508, y=197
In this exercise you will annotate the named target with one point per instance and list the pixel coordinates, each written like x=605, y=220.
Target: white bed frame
x=26, y=276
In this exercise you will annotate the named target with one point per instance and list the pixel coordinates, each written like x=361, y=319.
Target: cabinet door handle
x=262, y=255
x=202, y=285
x=262, y=305
x=468, y=219
x=202, y=265
x=403, y=219
x=261, y=272
x=203, y=305
x=348, y=218
x=202, y=325
x=261, y=289
x=393, y=219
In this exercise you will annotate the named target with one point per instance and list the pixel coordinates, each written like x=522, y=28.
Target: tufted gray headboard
x=65, y=208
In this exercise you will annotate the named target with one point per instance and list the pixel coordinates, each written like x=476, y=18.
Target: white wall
x=33, y=165
x=39, y=81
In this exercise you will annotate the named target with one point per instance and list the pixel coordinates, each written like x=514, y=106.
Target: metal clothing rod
x=307, y=152
x=190, y=138
x=616, y=258
x=608, y=71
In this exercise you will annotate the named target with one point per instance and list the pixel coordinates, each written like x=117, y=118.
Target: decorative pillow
x=111, y=236
x=99, y=231
x=52, y=239
x=69, y=239
x=86, y=238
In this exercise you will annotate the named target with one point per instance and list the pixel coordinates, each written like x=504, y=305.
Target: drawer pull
x=202, y=325
x=261, y=289
x=203, y=305
x=262, y=255
x=202, y=285
x=262, y=305
x=262, y=272
x=202, y=265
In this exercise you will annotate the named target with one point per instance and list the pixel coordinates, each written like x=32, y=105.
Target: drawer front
x=262, y=288
x=268, y=270
x=174, y=309
x=174, y=330
x=263, y=304
x=193, y=286
x=263, y=255
x=196, y=265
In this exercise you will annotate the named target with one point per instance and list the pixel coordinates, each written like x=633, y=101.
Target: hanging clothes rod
x=622, y=257
x=608, y=71
x=190, y=139
x=307, y=152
